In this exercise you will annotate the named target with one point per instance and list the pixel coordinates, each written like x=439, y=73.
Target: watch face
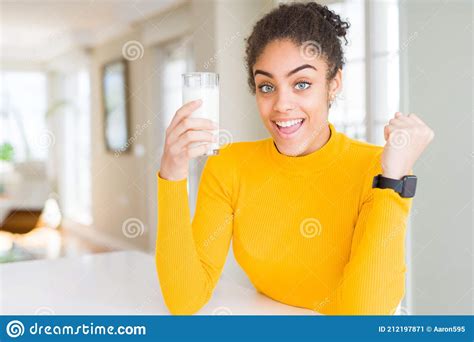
x=409, y=186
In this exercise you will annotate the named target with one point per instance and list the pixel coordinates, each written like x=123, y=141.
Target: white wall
x=118, y=182
x=436, y=64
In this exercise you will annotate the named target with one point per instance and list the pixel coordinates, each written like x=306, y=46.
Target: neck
x=321, y=139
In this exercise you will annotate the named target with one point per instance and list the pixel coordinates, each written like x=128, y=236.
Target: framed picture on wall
x=116, y=106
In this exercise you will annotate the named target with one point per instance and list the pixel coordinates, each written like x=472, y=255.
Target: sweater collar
x=314, y=161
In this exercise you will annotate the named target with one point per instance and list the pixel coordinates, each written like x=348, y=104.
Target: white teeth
x=288, y=123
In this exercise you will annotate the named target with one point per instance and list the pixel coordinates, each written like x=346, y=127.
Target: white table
x=117, y=283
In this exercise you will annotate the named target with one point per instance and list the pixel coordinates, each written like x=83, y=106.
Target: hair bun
x=340, y=26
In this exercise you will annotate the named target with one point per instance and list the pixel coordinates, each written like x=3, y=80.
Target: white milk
x=209, y=109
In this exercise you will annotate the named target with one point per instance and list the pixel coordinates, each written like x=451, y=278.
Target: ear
x=335, y=85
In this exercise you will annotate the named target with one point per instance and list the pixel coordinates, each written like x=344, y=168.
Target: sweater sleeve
x=373, y=281
x=190, y=255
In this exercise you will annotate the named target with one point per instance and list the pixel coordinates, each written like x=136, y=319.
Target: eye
x=265, y=88
x=305, y=84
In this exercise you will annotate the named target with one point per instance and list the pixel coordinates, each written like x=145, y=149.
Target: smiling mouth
x=290, y=131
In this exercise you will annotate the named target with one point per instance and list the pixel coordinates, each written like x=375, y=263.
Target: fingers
x=398, y=114
x=183, y=112
x=401, y=120
x=191, y=124
x=415, y=118
x=388, y=129
x=386, y=132
x=196, y=151
x=192, y=136
x=400, y=117
x=408, y=117
x=409, y=124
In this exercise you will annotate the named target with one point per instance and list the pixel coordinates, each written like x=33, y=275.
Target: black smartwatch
x=405, y=187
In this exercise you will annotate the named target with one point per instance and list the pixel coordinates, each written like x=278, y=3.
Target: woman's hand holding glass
x=186, y=138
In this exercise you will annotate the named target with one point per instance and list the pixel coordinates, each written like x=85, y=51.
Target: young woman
x=318, y=220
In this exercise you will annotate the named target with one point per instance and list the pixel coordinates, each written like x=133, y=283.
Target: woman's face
x=291, y=86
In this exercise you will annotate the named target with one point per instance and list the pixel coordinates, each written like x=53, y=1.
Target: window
x=349, y=110
x=75, y=179
x=171, y=85
x=370, y=95
x=23, y=106
x=385, y=65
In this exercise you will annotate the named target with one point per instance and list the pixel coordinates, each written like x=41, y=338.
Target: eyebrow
x=266, y=73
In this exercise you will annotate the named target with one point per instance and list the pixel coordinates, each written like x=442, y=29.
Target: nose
x=284, y=102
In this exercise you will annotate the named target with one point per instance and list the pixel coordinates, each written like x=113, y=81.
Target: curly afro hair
x=308, y=25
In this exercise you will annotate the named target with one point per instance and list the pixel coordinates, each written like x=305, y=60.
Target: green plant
x=6, y=152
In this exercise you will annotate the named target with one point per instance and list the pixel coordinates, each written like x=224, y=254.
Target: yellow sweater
x=308, y=231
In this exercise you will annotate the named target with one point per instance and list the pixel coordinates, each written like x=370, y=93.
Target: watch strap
x=405, y=187
x=388, y=183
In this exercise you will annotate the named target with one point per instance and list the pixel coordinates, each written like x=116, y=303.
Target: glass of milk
x=205, y=86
